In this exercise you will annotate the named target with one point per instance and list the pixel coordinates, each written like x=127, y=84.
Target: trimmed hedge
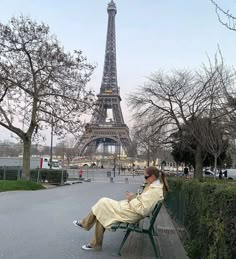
x=49, y=175
x=11, y=173
x=207, y=209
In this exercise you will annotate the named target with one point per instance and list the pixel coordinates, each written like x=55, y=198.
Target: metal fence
x=98, y=173
x=37, y=175
x=70, y=175
x=10, y=172
x=175, y=203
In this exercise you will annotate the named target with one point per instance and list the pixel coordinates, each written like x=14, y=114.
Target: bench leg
x=153, y=245
x=154, y=233
x=122, y=243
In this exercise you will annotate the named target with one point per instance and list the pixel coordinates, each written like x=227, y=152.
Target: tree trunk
x=215, y=166
x=198, y=162
x=26, y=159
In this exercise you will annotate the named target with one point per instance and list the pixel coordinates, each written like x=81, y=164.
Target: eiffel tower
x=107, y=126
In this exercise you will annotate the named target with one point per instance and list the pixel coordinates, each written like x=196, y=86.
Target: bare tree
x=40, y=83
x=148, y=138
x=179, y=99
x=142, y=141
x=65, y=150
x=10, y=149
x=214, y=137
x=225, y=17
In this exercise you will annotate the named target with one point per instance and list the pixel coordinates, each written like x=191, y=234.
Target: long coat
x=108, y=211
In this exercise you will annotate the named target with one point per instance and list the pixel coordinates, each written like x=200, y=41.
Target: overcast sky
x=150, y=35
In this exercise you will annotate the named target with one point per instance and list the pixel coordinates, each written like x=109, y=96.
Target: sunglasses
x=147, y=176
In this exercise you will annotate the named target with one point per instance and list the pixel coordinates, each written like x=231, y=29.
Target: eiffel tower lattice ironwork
x=102, y=129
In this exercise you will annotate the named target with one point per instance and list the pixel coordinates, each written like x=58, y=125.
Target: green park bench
x=139, y=228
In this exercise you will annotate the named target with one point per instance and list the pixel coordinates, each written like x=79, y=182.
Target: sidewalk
x=169, y=243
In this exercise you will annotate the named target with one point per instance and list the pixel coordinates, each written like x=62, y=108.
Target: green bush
x=11, y=173
x=49, y=175
x=207, y=210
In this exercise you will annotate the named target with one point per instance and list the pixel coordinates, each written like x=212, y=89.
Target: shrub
x=11, y=173
x=50, y=175
x=207, y=210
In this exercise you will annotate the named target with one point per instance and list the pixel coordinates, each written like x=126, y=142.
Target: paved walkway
x=169, y=242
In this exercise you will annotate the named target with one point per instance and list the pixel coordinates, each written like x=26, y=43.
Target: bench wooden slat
x=115, y=226
x=123, y=225
x=132, y=226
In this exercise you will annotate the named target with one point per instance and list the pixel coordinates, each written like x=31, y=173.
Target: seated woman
x=107, y=211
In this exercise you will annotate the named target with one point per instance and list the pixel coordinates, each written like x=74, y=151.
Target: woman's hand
x=129, y=195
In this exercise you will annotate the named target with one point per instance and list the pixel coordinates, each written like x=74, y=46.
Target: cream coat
x=108, y=211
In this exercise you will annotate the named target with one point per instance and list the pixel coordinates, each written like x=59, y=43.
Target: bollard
x=4, y=173
x=18, y=173
x=62, y=177
x=111, y=180
x=38, y=176
x=126, y=180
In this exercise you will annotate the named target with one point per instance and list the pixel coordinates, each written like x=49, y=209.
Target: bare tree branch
x=230, y=22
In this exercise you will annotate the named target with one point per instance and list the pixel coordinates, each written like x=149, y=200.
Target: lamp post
x=103, y=152
x=51, y=145
x=148, y=154
x=114, y=166
x=119, y=159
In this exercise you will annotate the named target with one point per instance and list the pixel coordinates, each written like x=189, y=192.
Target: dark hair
x=165, y=183
x=152, y=170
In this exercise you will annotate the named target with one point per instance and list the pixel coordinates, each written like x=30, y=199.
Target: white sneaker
x=78, y=224
x=88, y=247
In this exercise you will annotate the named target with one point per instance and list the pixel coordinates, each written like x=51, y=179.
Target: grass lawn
x=19, y=185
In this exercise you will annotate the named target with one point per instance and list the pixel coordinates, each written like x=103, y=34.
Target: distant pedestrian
x=80, y=173
x=186, y=171
x=225, y=173
x=220, y=174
